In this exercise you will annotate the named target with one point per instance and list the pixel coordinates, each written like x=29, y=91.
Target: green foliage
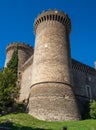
x=13, y=63
x=8, y=88
x=8, y=91
x=92, y=107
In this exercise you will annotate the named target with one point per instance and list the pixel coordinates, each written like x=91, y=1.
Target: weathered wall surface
x=52, y=101
x=24, y=53
x=51, y=57
x=79, y=83
x=26, y=79
x=84, y=78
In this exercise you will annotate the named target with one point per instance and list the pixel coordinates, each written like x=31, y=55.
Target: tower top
x=54, y=15
x=13, y=45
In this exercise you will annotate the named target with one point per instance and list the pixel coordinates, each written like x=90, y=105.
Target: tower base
x=53, y=102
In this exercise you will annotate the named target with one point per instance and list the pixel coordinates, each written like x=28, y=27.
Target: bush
x=8, y=90
x=19, y=107
x=92, y=107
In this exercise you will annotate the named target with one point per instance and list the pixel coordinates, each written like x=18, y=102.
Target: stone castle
x=56, y=86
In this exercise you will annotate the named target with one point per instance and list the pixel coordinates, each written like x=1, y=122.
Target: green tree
x=8, y=91
x=92, y=107
x=13, y=63
x=8, y=88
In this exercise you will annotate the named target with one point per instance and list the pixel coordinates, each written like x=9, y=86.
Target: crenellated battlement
x=77, y=66
x=21, y=45
x=54, y=15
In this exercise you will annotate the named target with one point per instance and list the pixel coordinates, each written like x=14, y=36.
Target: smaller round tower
x=24, y=52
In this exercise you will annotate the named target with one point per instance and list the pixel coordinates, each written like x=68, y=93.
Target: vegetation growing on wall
x=13, y=63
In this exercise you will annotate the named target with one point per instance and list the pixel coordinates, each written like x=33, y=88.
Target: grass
x=23, y=121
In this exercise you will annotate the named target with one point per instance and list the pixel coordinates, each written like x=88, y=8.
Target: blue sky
x=17, y=18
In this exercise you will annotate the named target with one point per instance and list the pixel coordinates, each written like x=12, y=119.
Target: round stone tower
x=24, y=52
x=51, y=96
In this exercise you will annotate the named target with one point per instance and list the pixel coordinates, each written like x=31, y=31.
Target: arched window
x=88, y=91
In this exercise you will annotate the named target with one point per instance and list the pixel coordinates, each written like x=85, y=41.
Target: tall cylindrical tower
x=24, y=52
x=52, y=96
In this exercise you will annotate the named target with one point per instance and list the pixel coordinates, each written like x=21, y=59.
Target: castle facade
x=55, y=86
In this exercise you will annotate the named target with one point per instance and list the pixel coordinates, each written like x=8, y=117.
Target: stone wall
x=25, y=81
x=84, y=78
x=52, y=101
x=24, y=53
x=51, y=56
